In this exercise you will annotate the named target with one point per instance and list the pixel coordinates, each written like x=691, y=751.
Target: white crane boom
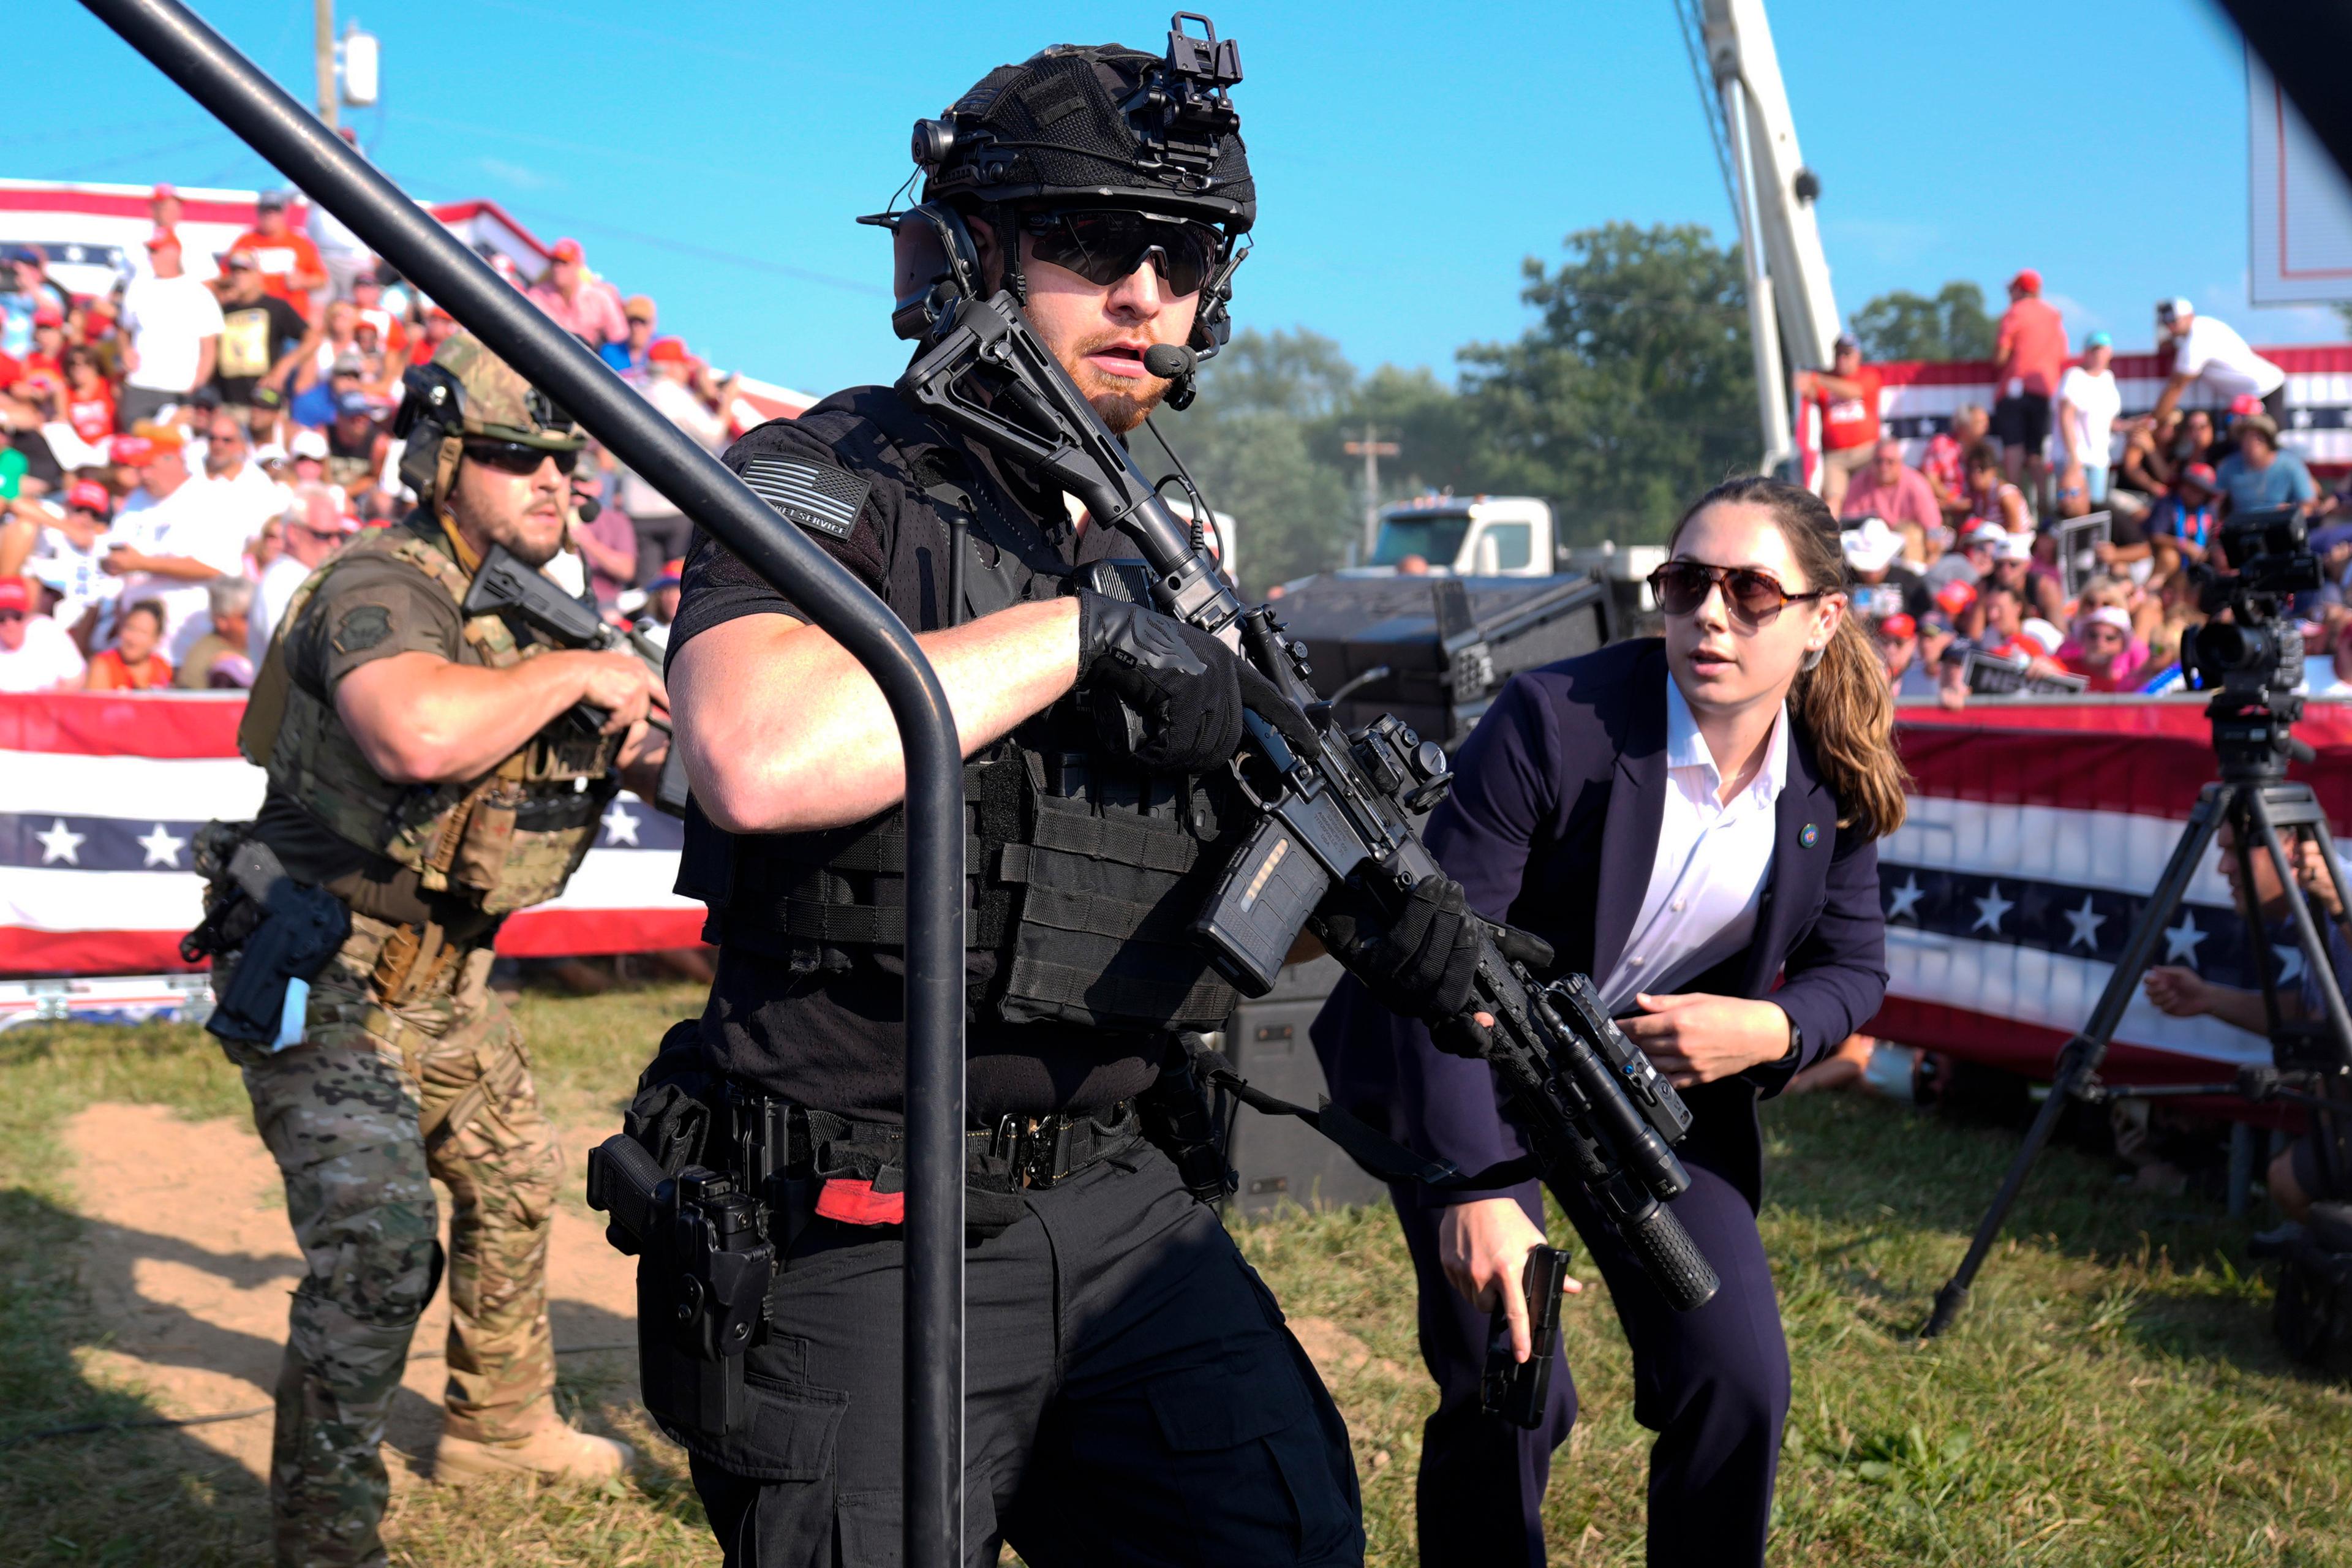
x=1792, y=314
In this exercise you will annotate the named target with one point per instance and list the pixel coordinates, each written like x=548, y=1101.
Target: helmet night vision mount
x=1075, y=127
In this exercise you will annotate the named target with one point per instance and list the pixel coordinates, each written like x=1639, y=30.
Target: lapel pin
x=1808, y=835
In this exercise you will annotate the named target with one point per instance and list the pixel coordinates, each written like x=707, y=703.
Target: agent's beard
x=1123, y=403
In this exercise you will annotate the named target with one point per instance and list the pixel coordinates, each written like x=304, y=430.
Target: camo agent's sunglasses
x=1104, y=245
x=1752, y=596
x=516, y=459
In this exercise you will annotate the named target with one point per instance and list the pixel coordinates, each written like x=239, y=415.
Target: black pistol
x=1517, y=1390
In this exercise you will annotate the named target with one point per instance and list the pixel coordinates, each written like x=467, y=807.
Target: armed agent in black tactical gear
x=1133, y=1395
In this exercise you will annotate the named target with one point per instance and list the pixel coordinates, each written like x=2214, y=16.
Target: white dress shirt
x=1711, y=864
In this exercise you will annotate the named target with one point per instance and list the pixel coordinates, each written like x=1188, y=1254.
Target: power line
x=143, y=154
x=701, y=252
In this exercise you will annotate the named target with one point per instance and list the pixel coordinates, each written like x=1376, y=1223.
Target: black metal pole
x=242, y=98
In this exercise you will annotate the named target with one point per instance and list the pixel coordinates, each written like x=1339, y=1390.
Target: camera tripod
x=2262, y=808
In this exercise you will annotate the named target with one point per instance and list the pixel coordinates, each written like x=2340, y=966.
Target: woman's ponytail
x=1845, y=708
x=1842, y=701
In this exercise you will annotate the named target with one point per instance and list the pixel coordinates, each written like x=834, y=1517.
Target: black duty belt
x=772, y=1138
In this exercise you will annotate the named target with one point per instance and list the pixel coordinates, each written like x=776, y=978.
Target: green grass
x=2111, y=1395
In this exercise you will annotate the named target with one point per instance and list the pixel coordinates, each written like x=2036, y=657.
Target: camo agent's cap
x=500, y=405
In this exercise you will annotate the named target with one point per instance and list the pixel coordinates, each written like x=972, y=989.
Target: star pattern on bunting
x=2087, y=922
x=61, y=843
x=1989, y=910
x=162, y=847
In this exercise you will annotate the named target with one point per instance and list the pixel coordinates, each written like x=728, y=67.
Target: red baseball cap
x=15, y=594
x=2201, y=476
x=2246, y=403
x=2028, y=280
x=162, y=193
x=88, y=495
x=1954, y=597
x=1899, y=626
x=673, y=571
x=131, y=449
x=565, y=249
x=667, y=350
x=48, y=315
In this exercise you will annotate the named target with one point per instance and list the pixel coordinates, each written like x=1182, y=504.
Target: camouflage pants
x=359, y=1116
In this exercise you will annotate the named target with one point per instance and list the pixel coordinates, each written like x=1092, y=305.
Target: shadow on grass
x=127, y=1495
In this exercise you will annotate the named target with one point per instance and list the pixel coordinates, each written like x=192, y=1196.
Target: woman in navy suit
x=1692, y=821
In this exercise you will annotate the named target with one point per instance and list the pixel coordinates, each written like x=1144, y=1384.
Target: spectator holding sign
x=261, y=334
x=1847, y=394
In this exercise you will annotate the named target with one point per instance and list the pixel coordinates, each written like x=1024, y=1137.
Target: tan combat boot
x=553, y=1453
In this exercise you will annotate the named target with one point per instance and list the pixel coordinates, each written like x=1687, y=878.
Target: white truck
x=1498, y=536
x=1462, y=536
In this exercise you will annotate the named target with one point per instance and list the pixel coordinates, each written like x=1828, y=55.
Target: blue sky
x=1408, y=157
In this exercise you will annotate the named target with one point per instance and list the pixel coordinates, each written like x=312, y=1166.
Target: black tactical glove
x=1184, y=683
x=1421, y=962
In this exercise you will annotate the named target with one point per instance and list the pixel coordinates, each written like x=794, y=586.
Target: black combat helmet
x=1102, y=122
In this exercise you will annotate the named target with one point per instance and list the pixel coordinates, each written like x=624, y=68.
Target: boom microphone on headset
x=1169, y=361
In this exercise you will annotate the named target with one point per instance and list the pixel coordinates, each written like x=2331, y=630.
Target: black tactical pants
x=1131, y=1397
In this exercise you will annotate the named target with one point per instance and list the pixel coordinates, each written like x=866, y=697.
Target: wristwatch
x=1796, y=1044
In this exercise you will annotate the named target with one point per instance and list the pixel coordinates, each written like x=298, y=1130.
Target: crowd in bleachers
x=2050, y=543
x=178, y=452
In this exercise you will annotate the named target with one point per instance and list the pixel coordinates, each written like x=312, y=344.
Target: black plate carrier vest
x=1082, y=871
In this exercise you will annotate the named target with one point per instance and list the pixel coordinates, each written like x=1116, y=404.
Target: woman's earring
x=1814, y=656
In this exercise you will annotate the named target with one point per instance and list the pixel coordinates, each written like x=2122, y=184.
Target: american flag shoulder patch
x=812, y=495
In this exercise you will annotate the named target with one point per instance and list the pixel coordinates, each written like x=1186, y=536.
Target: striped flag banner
x=100, y=797
x=2036, y=834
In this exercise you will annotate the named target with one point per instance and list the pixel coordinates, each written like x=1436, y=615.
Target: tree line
x=1631, y=391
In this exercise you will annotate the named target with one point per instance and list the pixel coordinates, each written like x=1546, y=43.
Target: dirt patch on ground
x=188, y=1262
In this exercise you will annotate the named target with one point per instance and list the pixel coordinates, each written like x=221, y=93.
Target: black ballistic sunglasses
x=515, y=457
x=1103, y=245
x=1753, y=596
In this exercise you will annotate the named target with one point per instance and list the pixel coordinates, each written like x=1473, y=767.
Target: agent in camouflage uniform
x=431, y=772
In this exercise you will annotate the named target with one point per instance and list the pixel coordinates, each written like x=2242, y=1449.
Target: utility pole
x=322, y=12
x=1371, y=449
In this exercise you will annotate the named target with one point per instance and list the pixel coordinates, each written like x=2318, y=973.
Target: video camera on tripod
x=2254, y=655
x=2252, y=664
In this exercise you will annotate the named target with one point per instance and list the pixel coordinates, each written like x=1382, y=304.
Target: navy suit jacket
x=1553, y=826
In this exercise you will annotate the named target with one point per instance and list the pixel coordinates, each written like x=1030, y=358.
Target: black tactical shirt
x=837, y=1041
